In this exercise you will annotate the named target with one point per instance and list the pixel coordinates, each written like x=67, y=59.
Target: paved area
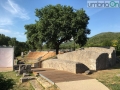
x=60, y=76
x=69, y=81
x=6, y=69
x=90, y=84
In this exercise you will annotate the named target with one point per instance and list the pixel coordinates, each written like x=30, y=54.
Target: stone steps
x=36, y=85
x=44, y=82
x=25, y=79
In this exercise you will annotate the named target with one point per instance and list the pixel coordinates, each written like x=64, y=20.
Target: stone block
x=88, y=72
x=25, y=79
x=16, y=67
x=26, y=74
x=24, y=68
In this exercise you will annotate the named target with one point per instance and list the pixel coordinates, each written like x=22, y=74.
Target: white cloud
x=18, y=34
x=4, y=31
x=16, y=10
x=5, y=21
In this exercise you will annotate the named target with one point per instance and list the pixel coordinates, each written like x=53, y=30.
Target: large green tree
x=57, y=24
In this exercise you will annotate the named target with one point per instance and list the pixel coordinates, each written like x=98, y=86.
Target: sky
x=15, y=14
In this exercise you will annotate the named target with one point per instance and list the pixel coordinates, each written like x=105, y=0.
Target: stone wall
x=36, y=65
x=64, y=65
x=110, y=50
x=23, y=68
x=94, y=58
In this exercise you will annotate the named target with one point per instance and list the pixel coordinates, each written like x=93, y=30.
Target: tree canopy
x=57, y=24
x=18, y=46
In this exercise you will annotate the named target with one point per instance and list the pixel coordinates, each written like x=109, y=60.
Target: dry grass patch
x=109, y=77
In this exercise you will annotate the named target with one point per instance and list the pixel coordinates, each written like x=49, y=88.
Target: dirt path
x=6, y=69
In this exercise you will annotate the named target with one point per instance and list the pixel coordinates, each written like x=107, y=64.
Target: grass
x=54, y=87
x=109, y=77
x=17, y=85
x=20, y=86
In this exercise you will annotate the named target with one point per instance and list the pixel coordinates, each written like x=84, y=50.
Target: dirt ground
x=6, y=69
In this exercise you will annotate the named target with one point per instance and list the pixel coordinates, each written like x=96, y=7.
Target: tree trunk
x=57, y=49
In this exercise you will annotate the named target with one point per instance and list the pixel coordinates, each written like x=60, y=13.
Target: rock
x=88, y=72
x=118, y=75
x=25, y=74
x=16, y=71
x=37, y=75
x=24, y=68
x=16, y=67
x=25, y=79
x=17, y=75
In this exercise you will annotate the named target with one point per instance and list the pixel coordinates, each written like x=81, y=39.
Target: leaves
x=104, y=39
x=57, y=24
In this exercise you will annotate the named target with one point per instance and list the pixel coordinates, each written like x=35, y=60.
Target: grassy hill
x=103, y=39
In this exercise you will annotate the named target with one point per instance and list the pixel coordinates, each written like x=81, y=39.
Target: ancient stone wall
x=88, y=58
x=94, y=58
x=64, y=65
x=111, y=53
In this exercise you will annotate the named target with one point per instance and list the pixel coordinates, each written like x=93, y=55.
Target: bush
x=6, y=84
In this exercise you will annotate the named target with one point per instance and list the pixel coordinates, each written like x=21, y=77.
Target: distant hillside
x=103, y=39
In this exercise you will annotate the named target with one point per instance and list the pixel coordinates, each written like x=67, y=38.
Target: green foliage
x=4, y=39
x=69, y=45
x=6, y=84
x=106, y=43
x=15, y=82
x=18, y=46
x=56, y=25
x=104, y=39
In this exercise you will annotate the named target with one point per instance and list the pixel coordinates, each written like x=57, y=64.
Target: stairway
x=41, y=83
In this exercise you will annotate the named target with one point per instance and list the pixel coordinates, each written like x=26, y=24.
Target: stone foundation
x=24, y=68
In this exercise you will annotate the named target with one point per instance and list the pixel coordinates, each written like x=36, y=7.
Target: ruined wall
x=111, y=53
x=93, y=58
x=88, y=58
x=64, y=65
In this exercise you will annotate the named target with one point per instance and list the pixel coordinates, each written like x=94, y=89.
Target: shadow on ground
x=117, y=66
